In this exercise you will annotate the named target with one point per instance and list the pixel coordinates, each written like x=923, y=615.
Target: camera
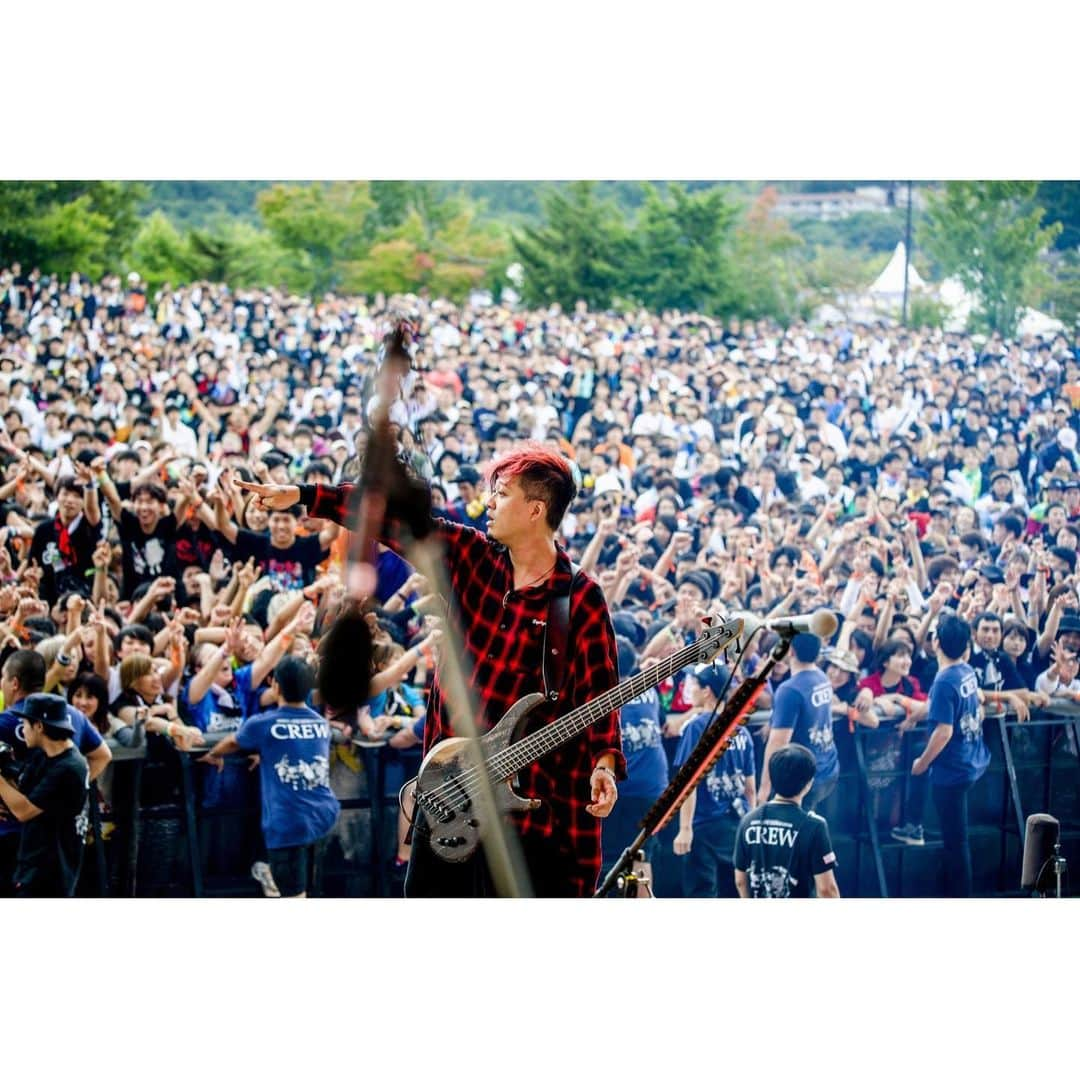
x=10, y=766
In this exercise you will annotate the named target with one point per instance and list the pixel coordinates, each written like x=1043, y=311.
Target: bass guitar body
x=446, y=785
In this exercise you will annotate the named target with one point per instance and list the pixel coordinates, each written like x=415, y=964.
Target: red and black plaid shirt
x=503, y=662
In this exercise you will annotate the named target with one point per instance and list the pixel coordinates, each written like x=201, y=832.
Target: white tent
x=1037, y=322
x=960, y=304
x=958, y=301
x=889, y=287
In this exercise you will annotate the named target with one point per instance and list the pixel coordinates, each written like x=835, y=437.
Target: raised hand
x=218, y=571
x=234, y=637
x=102, y=555
x=248, y=574
x=9, y=599
x=272, y=496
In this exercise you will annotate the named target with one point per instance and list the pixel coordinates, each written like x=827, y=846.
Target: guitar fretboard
x=524, y=752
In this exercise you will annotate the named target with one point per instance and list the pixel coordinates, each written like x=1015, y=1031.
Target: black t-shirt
x=51, y=847
x=66, y=562
x=781, y=846
x=147, y=556
x=195, y=546
x=288, y=568
x=995, y=670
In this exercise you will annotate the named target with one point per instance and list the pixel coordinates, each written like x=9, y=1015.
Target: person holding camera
x=48, y=800
x=21, y=677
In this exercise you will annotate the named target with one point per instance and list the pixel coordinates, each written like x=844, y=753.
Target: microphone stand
x=1055, y=865
x=714, y=741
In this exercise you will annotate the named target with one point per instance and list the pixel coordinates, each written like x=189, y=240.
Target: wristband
x=610, y=772
x=168, y=730
x=63, y=659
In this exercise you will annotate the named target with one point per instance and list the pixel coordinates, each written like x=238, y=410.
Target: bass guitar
x=446, y=785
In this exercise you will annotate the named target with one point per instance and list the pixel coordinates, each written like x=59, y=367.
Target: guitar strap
x=556, y=639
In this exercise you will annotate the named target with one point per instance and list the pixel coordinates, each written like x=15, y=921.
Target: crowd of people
x=923, y=485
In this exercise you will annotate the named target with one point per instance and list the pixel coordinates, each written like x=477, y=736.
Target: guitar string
x=514, y=757
x=463, y=780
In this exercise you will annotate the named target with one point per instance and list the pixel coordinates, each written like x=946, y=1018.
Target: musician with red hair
x=502, y=586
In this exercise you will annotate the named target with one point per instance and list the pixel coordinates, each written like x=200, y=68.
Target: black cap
x=48, y=709
x=994, y=574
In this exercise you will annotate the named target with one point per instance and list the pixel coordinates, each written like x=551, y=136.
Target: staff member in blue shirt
x=709, y=819
x=646, y=764
x=802, y=714
x=293, y=744
x=955, y=754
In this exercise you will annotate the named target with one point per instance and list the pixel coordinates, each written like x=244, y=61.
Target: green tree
x=577, y=253
x=1061, y=200
x=228, y=250
x=159, y=253
x=443, y=249
x=989, y=234
x=321, y=228
x=65, y=226
x=829, y=275
x=1061, y=296
x=681, y=256
x=764, y=270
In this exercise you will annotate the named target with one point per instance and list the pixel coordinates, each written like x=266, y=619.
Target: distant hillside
x=198, y=203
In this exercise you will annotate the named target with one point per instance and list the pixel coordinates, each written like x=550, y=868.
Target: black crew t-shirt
x=780, y=847
x=50, y=848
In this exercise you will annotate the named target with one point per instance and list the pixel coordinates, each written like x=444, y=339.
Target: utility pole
x=907, y=255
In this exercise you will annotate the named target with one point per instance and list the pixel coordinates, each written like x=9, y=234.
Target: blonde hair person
x=62, y=656
x=143, y=699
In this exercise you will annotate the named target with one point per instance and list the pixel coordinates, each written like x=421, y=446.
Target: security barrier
x=1034, y=767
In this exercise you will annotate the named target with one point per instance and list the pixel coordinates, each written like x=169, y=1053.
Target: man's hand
x=1023, y=713
x=919, y=766
x=603, y=791
x=214, y=760
x=684, y=841
x=271, y=496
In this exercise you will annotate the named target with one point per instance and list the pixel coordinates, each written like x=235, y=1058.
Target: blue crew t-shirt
x=643, y=747
x=954, y=700
x=293, y=745
x=804, y=704
x=722, y=793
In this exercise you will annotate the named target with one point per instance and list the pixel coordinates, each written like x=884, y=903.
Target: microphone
x=1041, y=834
x=821, y=623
